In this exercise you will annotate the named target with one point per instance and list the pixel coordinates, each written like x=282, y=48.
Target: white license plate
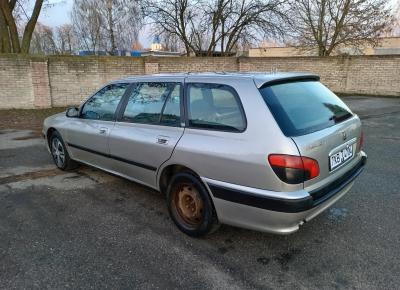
x=341, y=156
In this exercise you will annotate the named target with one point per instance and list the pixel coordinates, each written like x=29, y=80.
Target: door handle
x=103, y=130
x=162, y=140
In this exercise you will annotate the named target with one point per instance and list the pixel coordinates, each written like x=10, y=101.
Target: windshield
x=304, y=107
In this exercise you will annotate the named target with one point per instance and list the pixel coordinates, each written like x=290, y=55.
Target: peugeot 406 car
x=267, y=152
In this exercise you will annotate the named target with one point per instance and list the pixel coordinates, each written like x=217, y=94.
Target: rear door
x=147, y=129
x=320, y=124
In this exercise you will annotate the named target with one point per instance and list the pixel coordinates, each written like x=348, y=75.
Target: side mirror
x=72, y=112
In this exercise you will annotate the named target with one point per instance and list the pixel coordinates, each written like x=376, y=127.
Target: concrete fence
x=54, y=81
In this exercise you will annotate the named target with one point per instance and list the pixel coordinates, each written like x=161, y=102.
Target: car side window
x=103, y=104
x=214, y=106
x=154, y=103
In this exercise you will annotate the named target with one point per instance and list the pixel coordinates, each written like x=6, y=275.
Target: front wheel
x=60, y=154
x=190, y=205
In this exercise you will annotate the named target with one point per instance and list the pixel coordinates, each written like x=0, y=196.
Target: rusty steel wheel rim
x=189, y=205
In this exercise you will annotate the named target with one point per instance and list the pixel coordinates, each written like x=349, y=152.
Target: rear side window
x=214, y=106
x=154, y=103
x=304, y=107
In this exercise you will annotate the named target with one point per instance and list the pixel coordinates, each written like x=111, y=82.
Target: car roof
x=260, y=78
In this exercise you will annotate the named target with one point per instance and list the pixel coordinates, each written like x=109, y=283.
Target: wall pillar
x=151, y=68
x=40, y=84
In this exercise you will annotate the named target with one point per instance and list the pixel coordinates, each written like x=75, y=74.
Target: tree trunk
x=111, y=30
x=321, y=50
x=223, y=36
x=13, y=31
x=187, y=50
x=30, y=26
x=5, y=45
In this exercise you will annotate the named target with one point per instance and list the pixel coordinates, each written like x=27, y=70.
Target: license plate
x=341, y=157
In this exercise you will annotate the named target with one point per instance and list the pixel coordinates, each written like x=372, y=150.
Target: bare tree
x=43, y=40
x=173, y=17
x=9, y=35
x=395, y=31
x=136, y=45
x=327, y=25
x=123, y=21
x=106, y=24
x=65, y=39
x=210, y=26
x=170, y=42
x=87, y=24
x=240, y=23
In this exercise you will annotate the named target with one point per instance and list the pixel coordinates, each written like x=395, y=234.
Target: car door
x=147, y=129
x=87, y=136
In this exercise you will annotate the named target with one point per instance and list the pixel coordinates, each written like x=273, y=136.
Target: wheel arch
x=167, y=172
x=50, y=132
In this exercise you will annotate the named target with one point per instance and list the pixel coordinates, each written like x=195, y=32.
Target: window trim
x=116, y=109
x=234, y=93
x=124, y=103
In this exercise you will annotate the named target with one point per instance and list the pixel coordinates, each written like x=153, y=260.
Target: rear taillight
x=293, y=169
x=361, y=141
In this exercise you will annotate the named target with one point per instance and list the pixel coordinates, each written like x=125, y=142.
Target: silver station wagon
x=261, y=151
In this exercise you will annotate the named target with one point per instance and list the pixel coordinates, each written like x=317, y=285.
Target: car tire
x=60, y=154
x=190, y=205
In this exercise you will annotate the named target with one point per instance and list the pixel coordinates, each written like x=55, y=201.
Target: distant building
x=156, y=53
x=91, y=52
x=156, y=45
x=156, y=49
x=387, y=45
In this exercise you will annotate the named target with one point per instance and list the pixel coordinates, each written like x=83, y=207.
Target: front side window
x=103, y=104
x=154, y=103
x=214, y=106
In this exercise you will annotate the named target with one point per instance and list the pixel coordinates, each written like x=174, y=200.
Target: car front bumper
x=277, y=212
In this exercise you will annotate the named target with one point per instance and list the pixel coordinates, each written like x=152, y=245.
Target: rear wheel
x=190, y=206
x=60, y=154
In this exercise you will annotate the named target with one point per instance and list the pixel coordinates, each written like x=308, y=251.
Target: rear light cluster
x=360, y=142
x=293, y=169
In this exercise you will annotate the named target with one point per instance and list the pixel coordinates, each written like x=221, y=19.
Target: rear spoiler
x=262, y=82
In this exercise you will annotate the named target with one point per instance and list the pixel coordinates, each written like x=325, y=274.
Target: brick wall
x=29, y=82
x=332, y=70
x=72, y=79
x=16, y=89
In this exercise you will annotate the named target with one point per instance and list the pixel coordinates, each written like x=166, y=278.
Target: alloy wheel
x=58, y=152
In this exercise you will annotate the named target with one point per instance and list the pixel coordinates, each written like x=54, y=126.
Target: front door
x=147, y=130
x=87, y=136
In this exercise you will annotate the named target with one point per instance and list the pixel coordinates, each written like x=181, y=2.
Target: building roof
x=260, y=78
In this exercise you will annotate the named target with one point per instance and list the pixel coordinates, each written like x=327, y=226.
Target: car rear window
x=304, y=107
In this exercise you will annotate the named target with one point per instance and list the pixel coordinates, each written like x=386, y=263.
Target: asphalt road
x=90, y=230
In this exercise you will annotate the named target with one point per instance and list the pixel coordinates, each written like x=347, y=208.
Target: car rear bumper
x=277, y=212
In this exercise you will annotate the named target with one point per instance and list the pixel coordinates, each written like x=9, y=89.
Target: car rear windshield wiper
x=338, y=119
